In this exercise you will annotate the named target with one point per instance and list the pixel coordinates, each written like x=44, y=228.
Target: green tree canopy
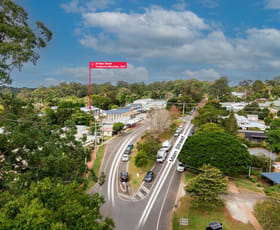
x=206, y=187
x=221, y=150
x=19, y=42
x=209, y=127
x=118, y=127
x=231, y=124
x=53, y=206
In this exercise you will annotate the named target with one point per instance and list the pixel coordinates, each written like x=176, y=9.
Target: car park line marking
x=140, y=194
x=164, y=199
x=161, y=181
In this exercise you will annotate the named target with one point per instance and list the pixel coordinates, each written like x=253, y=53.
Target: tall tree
x=18, y=41
x=206, y=187
x=230, y=124
x=221, y=150
x=220, y=87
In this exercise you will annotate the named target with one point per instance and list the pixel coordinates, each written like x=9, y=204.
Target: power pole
x=249, y=174
x=95, y=138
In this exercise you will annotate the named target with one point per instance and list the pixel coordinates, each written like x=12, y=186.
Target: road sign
x=103, y=65
x=107, y=65
x=184, y=221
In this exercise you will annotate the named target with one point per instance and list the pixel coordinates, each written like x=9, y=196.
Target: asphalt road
x=148, y=212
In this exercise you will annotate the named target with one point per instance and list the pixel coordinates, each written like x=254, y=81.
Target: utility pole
x=183, y=108
x=249, y=174
x=95, y=139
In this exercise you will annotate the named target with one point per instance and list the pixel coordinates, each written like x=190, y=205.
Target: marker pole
x=89, y=90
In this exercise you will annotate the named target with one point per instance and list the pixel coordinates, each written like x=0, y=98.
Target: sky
x=159, y=39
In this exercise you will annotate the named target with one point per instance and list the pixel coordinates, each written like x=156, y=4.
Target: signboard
x=103, y=65
x=184, y=221
x=108, y=65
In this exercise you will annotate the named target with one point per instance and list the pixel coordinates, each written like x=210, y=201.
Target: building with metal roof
x=273, y=177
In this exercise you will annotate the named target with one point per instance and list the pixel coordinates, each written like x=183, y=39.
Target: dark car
x=127, y=152
x=130, y=147
x=215, y=226
x=149, y=176
x=124, y=176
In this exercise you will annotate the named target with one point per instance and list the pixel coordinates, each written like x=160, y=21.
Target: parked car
x=215, y=226
x=125, y=157
x=149, y=176
x=124, y=176
x=180, y=167
x=176, y=134
x=127, y=151
x=161, y=155
x=130, y=147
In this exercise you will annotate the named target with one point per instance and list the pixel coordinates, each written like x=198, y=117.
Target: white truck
x=166, y=145
x=161, y=155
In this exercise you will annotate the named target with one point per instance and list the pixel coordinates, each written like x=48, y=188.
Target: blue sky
x=160, y=40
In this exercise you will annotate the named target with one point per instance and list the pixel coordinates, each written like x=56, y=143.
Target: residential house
x=149, y=103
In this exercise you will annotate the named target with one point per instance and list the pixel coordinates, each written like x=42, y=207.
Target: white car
x=180, y=167
x=125, y=157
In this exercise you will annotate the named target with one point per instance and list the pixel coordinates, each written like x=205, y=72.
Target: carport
x=273, y=177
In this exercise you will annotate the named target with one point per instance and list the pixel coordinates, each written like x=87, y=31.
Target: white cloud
x=182, y=37
x=202, y=74
x=131, y=74
x=78, y=6
x=273, y=4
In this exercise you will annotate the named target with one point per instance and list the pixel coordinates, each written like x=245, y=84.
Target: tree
x=141, y=159
x=261, y=161
x=258, y=86
x=118, y=127
x=220, y=87
x=150, y=147
x=267, y=213
x=209, y=127
x=273, y=136
x=174, y=112
x=220, y=150
x=160, y=120
x=230, y=124
x=50, y=205
x=19, y=42
x=206, y=187
x=275, y=124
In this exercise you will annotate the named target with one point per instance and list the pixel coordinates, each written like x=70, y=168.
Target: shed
x=273, y=177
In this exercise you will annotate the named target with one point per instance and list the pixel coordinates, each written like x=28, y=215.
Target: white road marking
x=164, y=200
x=146, y=190
x=140, y=194
x=164, y=174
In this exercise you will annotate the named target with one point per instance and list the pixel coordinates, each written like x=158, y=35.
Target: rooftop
x=274, y=177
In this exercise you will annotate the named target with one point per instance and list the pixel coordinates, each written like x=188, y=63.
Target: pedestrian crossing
x=142, y=192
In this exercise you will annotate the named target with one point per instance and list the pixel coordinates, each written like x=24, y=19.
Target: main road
x=152, y=210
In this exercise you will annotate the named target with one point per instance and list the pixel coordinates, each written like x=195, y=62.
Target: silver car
x=125, y=157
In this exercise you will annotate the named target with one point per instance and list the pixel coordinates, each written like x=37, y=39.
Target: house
x=238, y=94
x=235, y=107
x=254, y=136
x=244, y=123
x=107, y=128
x=149, y=103
x=276, y=166
x=252, y=117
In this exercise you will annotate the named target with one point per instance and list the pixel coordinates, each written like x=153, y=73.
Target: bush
x=141, y=159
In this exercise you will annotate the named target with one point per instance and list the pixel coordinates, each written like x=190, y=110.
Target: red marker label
x=108, y=65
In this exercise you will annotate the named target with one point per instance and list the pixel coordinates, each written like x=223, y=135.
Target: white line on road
x=161, y=181
x=164, y=199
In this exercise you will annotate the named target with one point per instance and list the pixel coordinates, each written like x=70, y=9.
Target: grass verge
x=96, y=165
x=135, y=181
x=244, y=183
x=199, y=220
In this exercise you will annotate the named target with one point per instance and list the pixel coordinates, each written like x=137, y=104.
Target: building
x=107, y=128
x=238, y=94
x=272, y=177
x=149, y=103
x=235, y=107
x=123, y=114
x=244, y=123
x=254, y=136
x=276, y=166
x=252, y=117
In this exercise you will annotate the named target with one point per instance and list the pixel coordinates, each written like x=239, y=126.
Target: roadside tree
x=206, y=187
x=218, y=149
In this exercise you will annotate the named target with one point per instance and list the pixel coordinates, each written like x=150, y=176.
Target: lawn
x=188, y=176
x=244, y=183
x=96, y=165
x=199, y=220
x=135, y=181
